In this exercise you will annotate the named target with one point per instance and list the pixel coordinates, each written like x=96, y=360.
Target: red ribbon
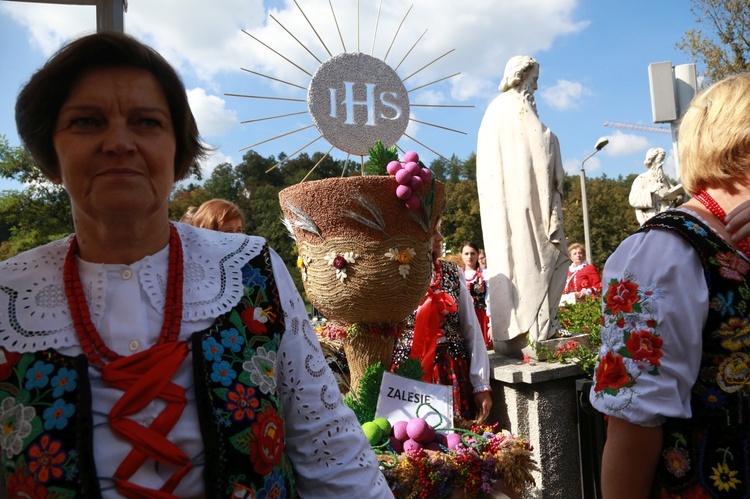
x=144, y=377
x=435, y=306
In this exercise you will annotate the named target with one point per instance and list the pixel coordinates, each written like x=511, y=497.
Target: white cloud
x=43, y=22
x=564, y=95
x=625, y=144
x=211, y=113
x=572, y=166
x=213, y=160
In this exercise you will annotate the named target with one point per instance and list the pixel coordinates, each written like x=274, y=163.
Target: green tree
x=224, y=183
x=461, y=220
x=722, y=40
x=36, y=215
x=611, y=218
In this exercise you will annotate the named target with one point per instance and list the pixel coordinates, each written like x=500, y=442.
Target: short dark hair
x=40, y=100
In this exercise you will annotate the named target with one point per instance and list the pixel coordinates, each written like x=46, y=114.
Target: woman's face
x=576, y=254
x=482, y=259
x=233, y=226
x=115, y=145
x=469, y=255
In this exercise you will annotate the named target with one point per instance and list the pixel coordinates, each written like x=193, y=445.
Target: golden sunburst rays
x=352, y=98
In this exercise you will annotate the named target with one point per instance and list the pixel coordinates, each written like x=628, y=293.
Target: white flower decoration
x=340, y=262
x=403, y=257
x=259, y=316
x=15, y=419
x=303, y=263
x=261, y=369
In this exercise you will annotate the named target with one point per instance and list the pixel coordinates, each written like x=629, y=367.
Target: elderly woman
x=672, y=373
x=583, y=279
x=143, y=358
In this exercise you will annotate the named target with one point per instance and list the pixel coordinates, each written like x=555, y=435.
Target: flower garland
x=486, y=462
x=338, y=332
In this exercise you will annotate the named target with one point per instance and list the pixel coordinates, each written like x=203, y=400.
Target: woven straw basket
x=360, y=220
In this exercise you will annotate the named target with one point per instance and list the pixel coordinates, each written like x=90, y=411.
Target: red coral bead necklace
x=710, y=203
x=91, y=341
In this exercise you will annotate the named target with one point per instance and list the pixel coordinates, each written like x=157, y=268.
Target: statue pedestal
x=518, y=346
x=538, y=401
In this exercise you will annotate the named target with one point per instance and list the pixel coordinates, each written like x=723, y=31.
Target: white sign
x=402, y=399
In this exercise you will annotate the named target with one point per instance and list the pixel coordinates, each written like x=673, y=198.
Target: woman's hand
x=483, y=402
x=738, y=222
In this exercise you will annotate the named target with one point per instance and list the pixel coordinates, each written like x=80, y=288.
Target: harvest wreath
x=471, y=460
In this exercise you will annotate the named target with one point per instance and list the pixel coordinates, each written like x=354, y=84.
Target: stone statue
x=651, y=192
x=519, y=179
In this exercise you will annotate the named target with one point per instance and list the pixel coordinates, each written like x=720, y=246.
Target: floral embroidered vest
x=708, y=453
x=45, y=407
x=478, y=290
x=451, y=329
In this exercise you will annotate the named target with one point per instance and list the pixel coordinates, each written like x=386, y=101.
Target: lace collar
x=34, y=312
x=574, y=268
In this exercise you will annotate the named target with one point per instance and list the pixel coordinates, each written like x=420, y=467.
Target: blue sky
x=594, y=58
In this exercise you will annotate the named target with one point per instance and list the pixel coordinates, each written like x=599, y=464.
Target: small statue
x=651, y=192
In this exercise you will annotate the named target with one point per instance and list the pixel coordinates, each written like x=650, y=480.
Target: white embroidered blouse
x=672, y=300
x=126, y=303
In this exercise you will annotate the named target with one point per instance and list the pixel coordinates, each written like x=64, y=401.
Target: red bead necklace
x=91, y=341
x=710, y=203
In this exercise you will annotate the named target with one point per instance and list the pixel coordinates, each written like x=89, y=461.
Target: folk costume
x=581, y=278
x=477, y=287
x=444, y=335
x=675, y=350
x=84, y=379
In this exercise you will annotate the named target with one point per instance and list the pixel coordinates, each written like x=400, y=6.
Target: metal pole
x=584, y=203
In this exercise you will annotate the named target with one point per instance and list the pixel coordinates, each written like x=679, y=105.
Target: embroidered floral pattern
x=733, y=266
x=725, y=479
x=38, y=406
x=267, y=444
x=734, y=334
x=734, y=372
x=240, y=355
x=706, y=455
x=403, y=257
x=46, y=459
x=15, y=421
x=261, y=369
x=631, y=345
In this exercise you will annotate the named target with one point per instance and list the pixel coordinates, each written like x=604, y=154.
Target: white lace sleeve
x=655, y=303
x=479, y=361
x=328, y=450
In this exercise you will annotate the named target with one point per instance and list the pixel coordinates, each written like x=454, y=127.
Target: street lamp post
x=603, y=141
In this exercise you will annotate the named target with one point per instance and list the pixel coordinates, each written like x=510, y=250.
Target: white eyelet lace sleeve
x=324, y=440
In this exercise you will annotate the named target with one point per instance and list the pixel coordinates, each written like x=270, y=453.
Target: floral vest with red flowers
x=45, y=407
x=451, y=284
x=478, y=290
x=708, y=454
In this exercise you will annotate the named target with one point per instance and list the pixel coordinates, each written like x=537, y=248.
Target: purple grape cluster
x=411, y=178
